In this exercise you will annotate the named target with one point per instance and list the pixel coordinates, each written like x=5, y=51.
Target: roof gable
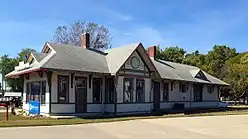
x=117, y=57
x=176, y=71
x=197, y=73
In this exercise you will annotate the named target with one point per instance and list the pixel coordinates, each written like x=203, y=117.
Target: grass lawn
x=25, y=121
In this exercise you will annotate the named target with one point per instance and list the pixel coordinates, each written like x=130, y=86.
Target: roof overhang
x=16, y=74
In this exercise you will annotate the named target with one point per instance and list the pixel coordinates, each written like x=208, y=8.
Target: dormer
x=198, y=73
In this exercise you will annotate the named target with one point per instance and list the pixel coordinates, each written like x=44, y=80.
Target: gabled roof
x=39, y=56
x=75, y=58
x=71, y=57
x=176, y=71
x=117, y=56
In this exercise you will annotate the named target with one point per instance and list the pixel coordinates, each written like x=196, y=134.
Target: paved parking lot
x=214, y=127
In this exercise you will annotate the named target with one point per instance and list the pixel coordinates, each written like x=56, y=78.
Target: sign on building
x=34, y=107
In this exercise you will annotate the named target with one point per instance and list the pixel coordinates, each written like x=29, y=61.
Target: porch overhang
x=16, y=74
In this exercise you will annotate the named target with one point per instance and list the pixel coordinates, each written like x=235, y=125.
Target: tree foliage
x=8, y=64
x=173, y=54
x=99, y=35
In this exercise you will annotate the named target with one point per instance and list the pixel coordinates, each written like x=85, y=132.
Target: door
x=198, y=89
x=156, y=95
x=81, y=94
x=97, y=90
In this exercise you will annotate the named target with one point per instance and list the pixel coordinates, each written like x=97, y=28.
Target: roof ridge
x=179, y=63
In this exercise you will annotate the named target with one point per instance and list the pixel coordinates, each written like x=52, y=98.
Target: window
x=172, y=86
x=166, y=92
x=43, y=93
x=127, y=90
x=36, y=91
x=140, y=90
x=97, y=90
x=210, y=89
x=63, y=89
x=183, y=87
x=110, y=90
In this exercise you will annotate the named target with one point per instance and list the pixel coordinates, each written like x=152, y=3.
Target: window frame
x=58, y=89
x=210, y=89
x=143, y=91
x=41, y=92
x=131, y=93
x=183, y=86
x=166, y=92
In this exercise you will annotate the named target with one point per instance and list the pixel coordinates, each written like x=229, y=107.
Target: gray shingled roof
x=117, y=56
x=39, y=56
x=176, y=71
x=70, y=57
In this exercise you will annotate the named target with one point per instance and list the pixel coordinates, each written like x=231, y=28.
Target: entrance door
x=156, y=95
x=97, y=90
x=198, y=89
x=81, y=94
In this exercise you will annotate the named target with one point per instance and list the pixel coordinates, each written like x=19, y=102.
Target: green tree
x=195, y=59
x=99, y=35
x=237, y=75
x=25, y=53
x=173, y=54
x=8, y=64
x=216, y=60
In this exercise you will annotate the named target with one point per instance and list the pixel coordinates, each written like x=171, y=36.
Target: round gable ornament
x=135, y=62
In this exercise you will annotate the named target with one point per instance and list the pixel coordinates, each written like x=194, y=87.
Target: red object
x=152, y=51
x=7, y=111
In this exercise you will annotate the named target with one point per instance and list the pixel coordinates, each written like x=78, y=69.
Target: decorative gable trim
x=139, y=49
x=198, y=74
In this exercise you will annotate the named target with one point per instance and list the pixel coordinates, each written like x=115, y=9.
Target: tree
x=99, y=35
x=216, y=60
x=25, y=53
x=173, y=54
x=237, y=75
x=195, y=59
x=8, y=64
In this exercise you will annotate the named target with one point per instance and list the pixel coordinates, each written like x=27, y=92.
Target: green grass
x=17, y=121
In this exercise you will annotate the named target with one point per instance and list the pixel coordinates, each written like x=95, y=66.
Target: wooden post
x=7, y=113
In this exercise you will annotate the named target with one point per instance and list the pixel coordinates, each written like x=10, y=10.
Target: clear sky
x=191, y=24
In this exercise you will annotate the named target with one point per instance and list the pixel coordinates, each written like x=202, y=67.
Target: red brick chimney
x=152, y=51
x=85, y=40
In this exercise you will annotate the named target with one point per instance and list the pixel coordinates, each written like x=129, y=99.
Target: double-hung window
x=36, y=91
x=63, y=89
x=166, y=92
x=128, y=90
x=140, y=90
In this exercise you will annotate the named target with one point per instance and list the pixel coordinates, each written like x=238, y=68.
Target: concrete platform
x=212, y=127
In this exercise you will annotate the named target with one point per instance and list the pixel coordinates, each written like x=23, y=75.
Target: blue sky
x=191, y=24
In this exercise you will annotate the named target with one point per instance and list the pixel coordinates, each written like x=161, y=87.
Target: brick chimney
x=85, y=40
x=152, y=51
